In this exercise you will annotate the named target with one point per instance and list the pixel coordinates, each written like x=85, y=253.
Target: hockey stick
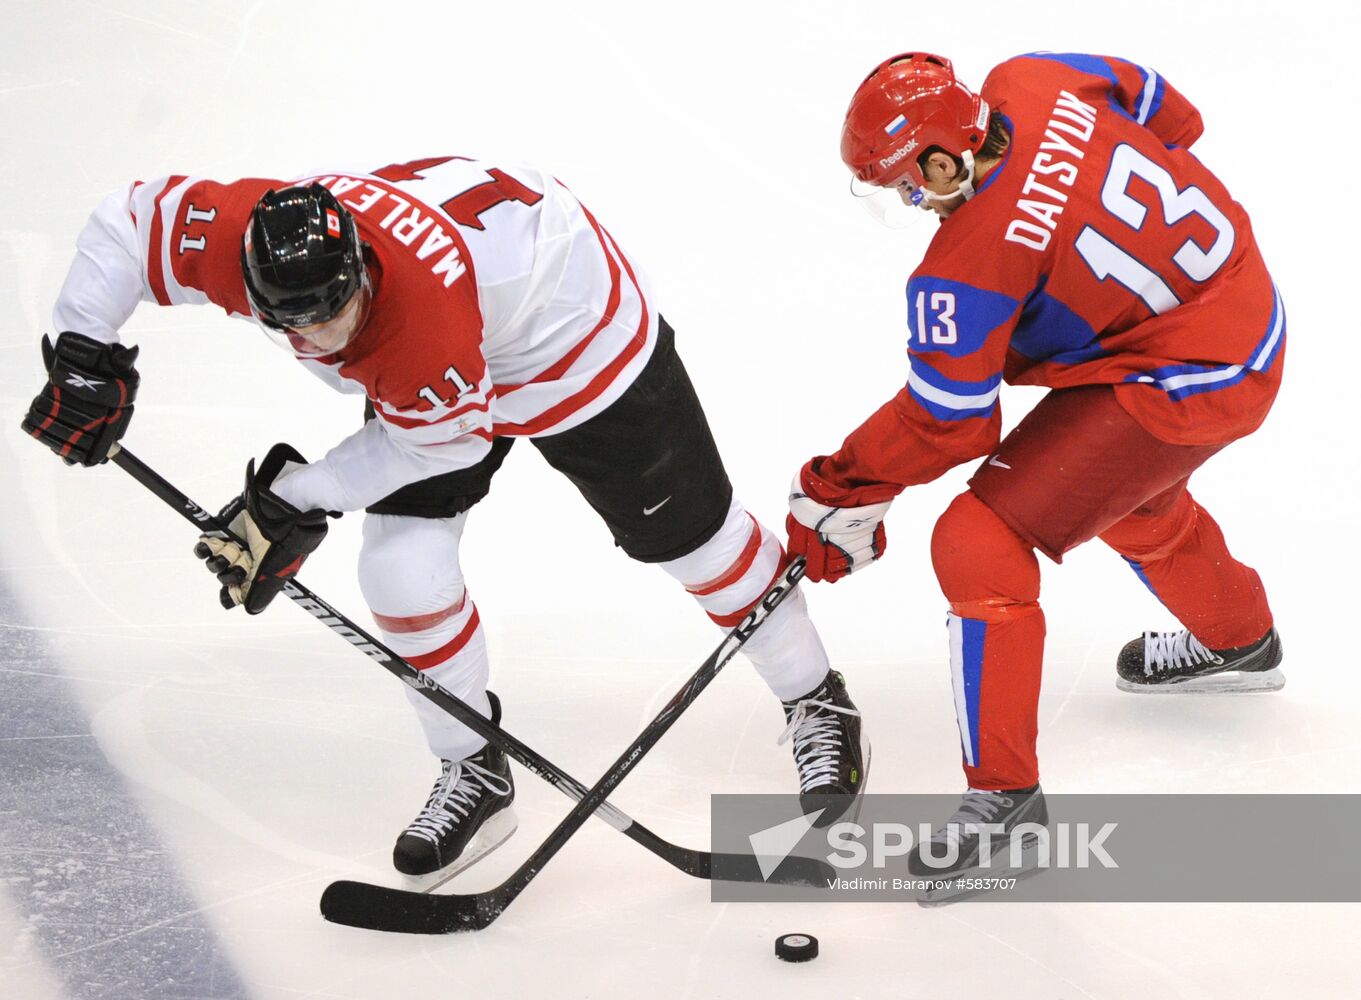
x=701, y=864
x=360, y=904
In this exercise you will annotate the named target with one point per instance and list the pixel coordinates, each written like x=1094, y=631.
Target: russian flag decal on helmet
x=897, y=125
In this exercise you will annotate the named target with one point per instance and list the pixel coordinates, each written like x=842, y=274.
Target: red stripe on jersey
x=737, y=570
x=155, y=271
x=606, y=376
x=407, y=423
x=729, y=621
x=419, y=623
x=450, y=649
x=560, y=367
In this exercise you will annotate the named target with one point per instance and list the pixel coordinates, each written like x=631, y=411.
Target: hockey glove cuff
x=87, y=402
x=278, y=537
x=834, y=541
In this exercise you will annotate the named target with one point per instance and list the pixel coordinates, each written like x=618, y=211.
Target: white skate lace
x=978, y=807
x=1175, y=650
x=459, y=788
x=817, y=741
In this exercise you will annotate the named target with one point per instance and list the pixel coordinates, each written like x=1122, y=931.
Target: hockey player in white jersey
x=472, y=304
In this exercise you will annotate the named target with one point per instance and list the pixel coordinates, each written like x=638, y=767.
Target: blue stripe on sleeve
x=957, y=318
x=948, y=399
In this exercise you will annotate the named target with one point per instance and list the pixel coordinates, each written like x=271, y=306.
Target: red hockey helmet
x=910, y=103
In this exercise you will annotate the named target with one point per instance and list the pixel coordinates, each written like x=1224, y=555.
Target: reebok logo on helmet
x=897, y=155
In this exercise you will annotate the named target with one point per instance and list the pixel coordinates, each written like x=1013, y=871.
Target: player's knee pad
x=1154, y=530
x=730, y=572
x=409, y=565
x=985, y=569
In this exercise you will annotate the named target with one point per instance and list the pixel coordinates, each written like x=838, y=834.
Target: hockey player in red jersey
x=472, y=304
x=1081, y=247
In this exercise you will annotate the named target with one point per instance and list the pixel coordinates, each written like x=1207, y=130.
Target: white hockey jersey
x=501, y=307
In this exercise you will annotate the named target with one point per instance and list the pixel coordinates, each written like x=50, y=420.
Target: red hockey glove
x=835, y=541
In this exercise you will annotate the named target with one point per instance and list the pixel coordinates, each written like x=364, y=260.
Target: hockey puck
x=796, y=947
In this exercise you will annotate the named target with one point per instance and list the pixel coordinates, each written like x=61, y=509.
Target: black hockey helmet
x=301, y=257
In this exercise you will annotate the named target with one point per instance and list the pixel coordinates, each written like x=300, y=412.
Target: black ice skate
x=1178, y=661
x=830, y=749
x=954, y=851
x=467, y=815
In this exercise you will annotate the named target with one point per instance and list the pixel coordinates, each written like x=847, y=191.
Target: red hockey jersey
x=1099, y=250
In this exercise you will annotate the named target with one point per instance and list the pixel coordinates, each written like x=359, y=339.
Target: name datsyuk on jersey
x=1078, y=119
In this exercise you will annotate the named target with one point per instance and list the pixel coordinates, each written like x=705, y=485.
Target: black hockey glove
x=278, y=537
x=87, y=402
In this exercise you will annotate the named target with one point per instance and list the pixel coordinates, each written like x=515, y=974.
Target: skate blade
x=493, y=833
x=951, y=893
x=944, y=897
x=1229, y=682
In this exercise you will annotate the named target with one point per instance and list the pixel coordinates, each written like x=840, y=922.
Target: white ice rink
x=178, y=785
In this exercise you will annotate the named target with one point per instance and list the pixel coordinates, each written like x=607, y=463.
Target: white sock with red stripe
x=410, y=576
x=727, y=575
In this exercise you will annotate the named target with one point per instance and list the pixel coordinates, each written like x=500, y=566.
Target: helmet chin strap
x=923, y=198
x=889, y=205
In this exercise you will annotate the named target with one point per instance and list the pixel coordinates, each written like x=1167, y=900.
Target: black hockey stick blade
x=793, y=870
x=400, y=911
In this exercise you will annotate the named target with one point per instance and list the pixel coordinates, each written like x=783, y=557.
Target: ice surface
x=178, y=785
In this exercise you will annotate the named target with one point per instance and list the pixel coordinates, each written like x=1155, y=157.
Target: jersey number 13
x=1109, y=261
